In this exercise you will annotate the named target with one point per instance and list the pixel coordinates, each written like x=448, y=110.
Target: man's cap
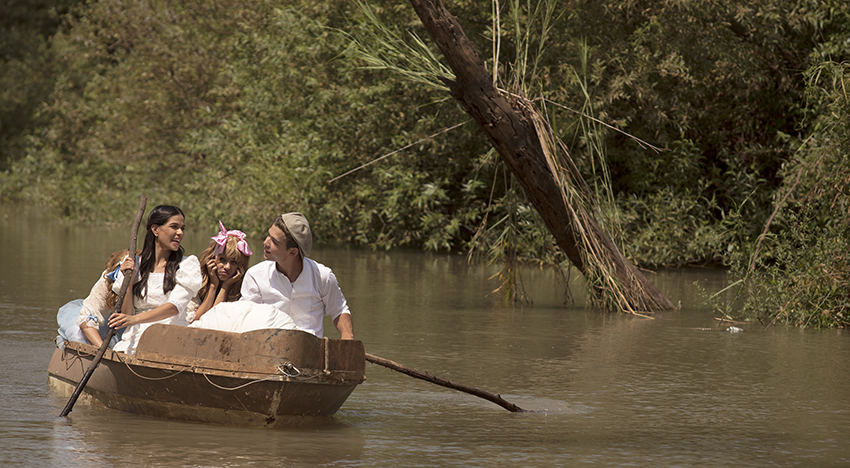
x=299, y=229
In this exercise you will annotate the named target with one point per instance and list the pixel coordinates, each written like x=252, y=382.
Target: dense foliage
x=26, y=69
x=238, y=110
x=805, y=280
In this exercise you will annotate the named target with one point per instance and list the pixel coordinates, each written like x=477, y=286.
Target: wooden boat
x=259, y=378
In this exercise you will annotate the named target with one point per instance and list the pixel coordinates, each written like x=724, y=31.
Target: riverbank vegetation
x=238, y=110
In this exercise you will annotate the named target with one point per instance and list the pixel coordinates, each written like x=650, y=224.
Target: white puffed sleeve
x=188, y=281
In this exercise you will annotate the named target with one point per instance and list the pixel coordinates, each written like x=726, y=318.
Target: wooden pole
x=445, y=383
x=125, y=285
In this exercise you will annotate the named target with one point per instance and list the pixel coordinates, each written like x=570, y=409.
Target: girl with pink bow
x=223, y=266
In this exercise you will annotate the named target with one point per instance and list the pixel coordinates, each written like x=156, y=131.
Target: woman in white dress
x=164, y=283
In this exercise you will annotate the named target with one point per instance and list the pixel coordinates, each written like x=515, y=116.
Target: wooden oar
x=128, y=279
x=445, y=383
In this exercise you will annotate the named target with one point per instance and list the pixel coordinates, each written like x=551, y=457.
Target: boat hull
x=261, y=378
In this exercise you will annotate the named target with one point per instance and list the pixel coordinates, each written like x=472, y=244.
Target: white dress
x=243, y=316
x=188, y=282
x=92, y=311
x=94, y=307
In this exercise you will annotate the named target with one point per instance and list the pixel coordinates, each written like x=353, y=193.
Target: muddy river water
x=605, y=390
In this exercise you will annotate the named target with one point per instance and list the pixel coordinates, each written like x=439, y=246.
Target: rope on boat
x=283, y=369
x=287, y=369
x=148, y=378
x=237, y=387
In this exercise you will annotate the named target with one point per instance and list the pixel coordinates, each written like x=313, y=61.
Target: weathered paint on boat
x=259, y=378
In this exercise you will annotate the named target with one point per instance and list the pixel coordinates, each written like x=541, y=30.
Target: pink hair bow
x=221, y=240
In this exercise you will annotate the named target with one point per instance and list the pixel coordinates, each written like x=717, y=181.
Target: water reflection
x=113, y=438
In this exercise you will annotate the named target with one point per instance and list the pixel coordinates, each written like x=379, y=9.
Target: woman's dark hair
x=158, y=216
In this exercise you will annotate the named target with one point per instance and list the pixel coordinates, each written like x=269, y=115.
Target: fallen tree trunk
x=509, y=123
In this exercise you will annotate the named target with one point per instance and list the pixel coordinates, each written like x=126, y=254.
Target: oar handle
x=128, y=278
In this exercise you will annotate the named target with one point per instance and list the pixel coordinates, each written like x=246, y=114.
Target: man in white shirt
x=295, y=284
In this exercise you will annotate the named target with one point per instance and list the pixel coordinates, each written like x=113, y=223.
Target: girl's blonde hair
x=230, y=253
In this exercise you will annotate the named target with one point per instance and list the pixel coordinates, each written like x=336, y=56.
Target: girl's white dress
x=188, y=282
x=243, y=316
x=92, y=311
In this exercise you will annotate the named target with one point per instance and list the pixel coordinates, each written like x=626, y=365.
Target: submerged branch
x=444, y=383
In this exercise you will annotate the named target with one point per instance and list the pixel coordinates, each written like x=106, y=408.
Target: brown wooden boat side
x=204, y=380
x=255, y=351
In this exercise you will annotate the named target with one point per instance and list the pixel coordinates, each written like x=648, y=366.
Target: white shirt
x=314, y=294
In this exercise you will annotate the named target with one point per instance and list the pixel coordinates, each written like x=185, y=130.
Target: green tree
x=238, y=110
x=26, y=69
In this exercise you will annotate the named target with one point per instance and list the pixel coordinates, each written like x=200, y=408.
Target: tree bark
x=512, y=132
